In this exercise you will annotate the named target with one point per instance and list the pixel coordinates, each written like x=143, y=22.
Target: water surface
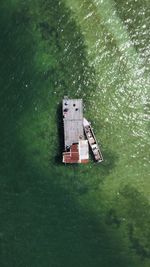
x=92, y=215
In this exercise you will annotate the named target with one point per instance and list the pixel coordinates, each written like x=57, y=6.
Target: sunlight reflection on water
x=119, y=52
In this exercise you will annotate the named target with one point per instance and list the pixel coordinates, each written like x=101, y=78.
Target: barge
x=78, y=134
x=76, y=149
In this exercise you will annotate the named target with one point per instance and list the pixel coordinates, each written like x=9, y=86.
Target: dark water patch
x=139, y=214
x=23, y=83
x=60, y=129
x=141, y=249
x=21, y=15
x=133, y=211
x=17, y=76
x=16, y=51
x=65, y=42
x=45, y=226
x=81, y=188
x=47, y=30
x=112, y=218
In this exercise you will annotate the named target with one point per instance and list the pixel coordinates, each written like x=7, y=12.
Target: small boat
x=92, y=141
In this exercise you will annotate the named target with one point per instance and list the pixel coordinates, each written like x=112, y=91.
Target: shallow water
x=92, y=215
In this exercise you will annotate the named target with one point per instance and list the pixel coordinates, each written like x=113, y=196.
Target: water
x=56, y=215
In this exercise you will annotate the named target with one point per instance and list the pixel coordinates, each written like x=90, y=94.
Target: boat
x=78, y=134
x=92, y=141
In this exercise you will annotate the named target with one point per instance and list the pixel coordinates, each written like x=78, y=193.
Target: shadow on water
x=41, y=223
x=60, y=129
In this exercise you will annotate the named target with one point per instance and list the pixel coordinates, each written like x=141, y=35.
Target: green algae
x=51, y=214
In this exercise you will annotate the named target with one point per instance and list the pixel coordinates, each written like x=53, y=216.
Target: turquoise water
x=92, y=215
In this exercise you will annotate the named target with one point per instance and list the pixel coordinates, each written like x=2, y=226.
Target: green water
x=92, y=215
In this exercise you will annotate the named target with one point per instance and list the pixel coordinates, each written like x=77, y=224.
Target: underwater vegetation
x=52, y=214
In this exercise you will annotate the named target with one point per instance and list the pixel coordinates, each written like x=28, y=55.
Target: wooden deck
x=75, y=146
x=73, y=121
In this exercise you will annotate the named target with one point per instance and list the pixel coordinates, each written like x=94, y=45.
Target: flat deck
x=73, y=121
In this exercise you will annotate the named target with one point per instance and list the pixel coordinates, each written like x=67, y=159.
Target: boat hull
x=92, y=141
